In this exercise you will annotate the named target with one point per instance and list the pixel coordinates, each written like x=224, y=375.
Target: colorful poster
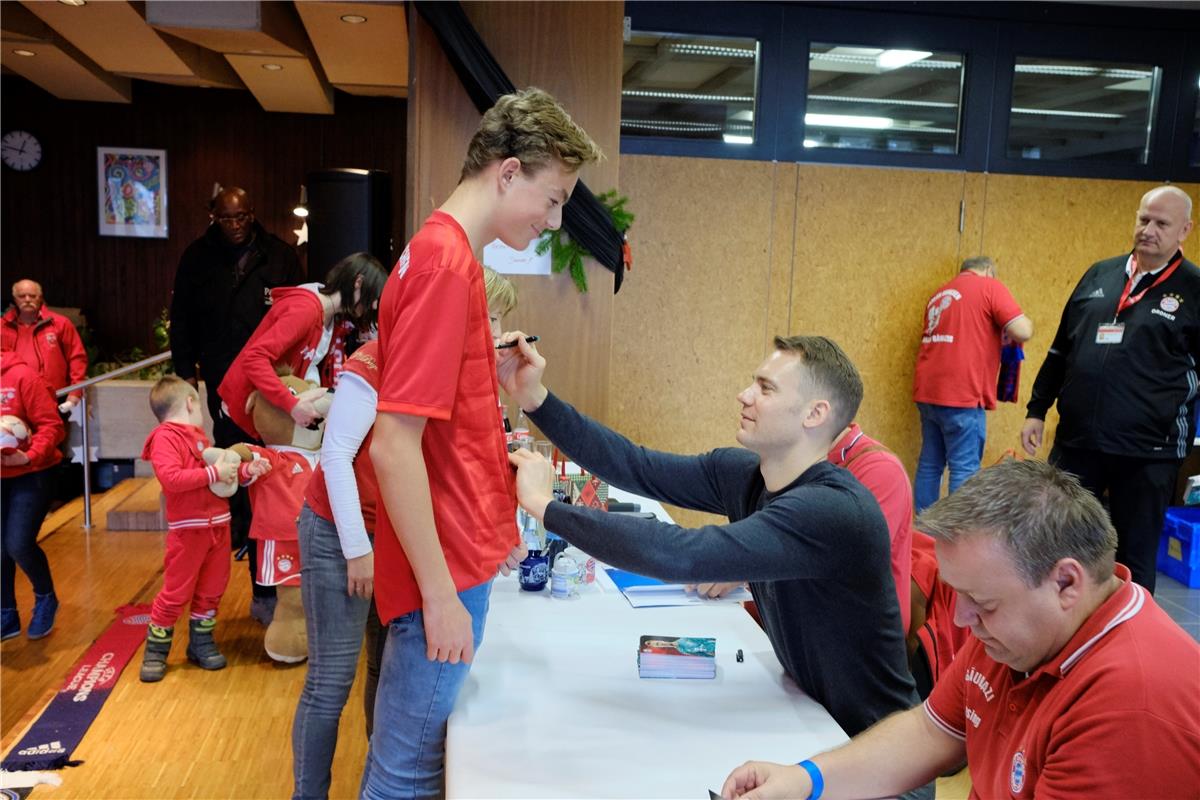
x=132, y=192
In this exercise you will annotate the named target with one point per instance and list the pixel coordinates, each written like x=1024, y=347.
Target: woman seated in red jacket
x=305, y=330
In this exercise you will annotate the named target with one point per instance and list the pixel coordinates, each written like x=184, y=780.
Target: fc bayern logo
x=1169, y=304
x=136, y=619
x=284, y=564
x=1016, y=779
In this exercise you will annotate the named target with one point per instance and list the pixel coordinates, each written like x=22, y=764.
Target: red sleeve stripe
x=946, y=727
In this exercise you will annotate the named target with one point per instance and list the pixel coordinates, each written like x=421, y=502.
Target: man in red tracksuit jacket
x=45, y=340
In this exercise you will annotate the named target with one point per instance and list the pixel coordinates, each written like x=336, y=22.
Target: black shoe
x=202, y=650
x=154, y=659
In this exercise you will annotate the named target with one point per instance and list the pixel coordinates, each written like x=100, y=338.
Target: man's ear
x=508, y=170
x=819, y=412
x=1070, y=580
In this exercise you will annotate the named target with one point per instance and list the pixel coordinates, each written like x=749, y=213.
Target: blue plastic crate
x=1178, y=555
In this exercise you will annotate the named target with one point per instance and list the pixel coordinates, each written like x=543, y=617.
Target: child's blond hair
x=168, y=393
x=501, y=294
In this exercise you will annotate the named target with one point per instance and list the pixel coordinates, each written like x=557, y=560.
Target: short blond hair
x=531, y=126
x=168, y=393
x=501, y=294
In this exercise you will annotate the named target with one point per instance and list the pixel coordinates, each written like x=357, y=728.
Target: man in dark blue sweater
x=809, y=538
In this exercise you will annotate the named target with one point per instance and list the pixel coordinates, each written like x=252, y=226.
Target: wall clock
x=20, y=150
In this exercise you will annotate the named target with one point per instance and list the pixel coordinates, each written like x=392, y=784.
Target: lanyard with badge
x=1113, y=332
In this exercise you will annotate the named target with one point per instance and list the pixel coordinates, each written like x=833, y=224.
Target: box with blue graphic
x=1178, y=555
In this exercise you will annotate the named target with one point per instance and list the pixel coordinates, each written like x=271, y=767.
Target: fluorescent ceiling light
x=1050, y=112
x=731, y=138
x=664, y=94
x=894, y=59
x=847, y=121
x=887, y=101
x=811, y=143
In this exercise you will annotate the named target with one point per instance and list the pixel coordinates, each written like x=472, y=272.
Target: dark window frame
x=990, y=39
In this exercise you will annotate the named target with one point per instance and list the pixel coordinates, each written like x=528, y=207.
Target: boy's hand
x=227, y=471
x=258, y=467
x=514, y=559
x=449, y=633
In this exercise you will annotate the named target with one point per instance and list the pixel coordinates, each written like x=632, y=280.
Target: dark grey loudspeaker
x=349, y=211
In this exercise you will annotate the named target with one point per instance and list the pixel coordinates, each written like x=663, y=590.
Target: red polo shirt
x=438, y=361
x=1115, y=714
x=878, y=469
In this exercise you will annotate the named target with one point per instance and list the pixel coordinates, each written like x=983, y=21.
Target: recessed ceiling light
x=75, y=3
x=26, y=53
x=272, y=67
x=354, y=19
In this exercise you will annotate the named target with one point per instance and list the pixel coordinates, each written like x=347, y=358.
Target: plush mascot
x=14, y=434
x=276, y=498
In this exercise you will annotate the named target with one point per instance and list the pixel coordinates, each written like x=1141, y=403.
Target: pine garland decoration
x=566, y=254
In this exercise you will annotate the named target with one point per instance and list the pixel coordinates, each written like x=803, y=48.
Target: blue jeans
x=23, y=504
x=951, y=437
x=416, y=695
x=335, y=623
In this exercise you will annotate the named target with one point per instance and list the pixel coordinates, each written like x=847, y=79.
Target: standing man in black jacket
x=1123, y=370
x=222, y=291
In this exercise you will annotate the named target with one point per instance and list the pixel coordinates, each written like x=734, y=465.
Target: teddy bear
x=276, y=498
x=14, y=433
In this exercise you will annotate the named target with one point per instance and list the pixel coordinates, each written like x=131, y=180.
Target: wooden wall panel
x=1044, y=233
x=573, y=51
x=690, y=323
x=871, y=245
x=210, y=135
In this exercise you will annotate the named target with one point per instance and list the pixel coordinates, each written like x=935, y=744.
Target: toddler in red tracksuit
x=196, y=563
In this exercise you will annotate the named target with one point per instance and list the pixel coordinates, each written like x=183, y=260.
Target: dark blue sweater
x=816, y=553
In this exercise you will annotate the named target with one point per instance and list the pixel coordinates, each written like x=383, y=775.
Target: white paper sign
x=507, y=261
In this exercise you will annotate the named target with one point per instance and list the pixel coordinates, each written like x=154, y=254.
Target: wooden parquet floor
x=197, y=734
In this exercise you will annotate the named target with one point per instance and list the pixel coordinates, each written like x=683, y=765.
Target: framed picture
x=132, y=191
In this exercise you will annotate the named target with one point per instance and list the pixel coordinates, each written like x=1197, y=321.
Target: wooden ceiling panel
x=237, y=26
x=114, y=35
x=63, y=71
x=295, y=88
x=368, y=57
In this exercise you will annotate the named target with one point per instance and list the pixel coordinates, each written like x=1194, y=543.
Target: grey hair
x=977, y=263
x=1175, y=191
x=1040, y=513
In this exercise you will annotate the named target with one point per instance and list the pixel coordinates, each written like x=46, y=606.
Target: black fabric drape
x=585, y=219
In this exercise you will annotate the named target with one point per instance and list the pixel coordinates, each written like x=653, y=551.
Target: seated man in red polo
x=1073, y=684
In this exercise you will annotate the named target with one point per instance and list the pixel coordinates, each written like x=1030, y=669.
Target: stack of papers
x=677, y=657
x=644, y=592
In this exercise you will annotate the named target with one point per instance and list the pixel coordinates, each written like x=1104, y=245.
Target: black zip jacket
x=1129, y=399
x=213, y=313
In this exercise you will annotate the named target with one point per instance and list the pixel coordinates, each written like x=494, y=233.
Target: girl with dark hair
x=306, y=330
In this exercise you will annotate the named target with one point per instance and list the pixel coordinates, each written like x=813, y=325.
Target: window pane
x=689, y=87
x=1081, y=110
x=869, y=98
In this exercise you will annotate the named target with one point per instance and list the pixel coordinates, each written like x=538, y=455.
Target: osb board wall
x=692, y=319
x=871, y=245
x=573, y=51
x=728, y=253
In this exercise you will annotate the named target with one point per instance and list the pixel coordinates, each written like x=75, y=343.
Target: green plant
x=567, y=254
x=162, y=340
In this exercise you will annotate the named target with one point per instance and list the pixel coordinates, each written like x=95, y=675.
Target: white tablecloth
x=554, y=707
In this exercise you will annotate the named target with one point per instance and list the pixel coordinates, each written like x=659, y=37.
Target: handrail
x=116, y=373
x=86, y=451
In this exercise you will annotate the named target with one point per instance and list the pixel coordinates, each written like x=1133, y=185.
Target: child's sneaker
x=45, y=606
x=10, y=623
x=154, y=659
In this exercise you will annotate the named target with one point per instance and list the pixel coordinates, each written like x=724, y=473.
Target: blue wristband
x=818, y=780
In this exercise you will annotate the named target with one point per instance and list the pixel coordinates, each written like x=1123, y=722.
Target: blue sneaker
x=45, y=606
x=10, y=623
